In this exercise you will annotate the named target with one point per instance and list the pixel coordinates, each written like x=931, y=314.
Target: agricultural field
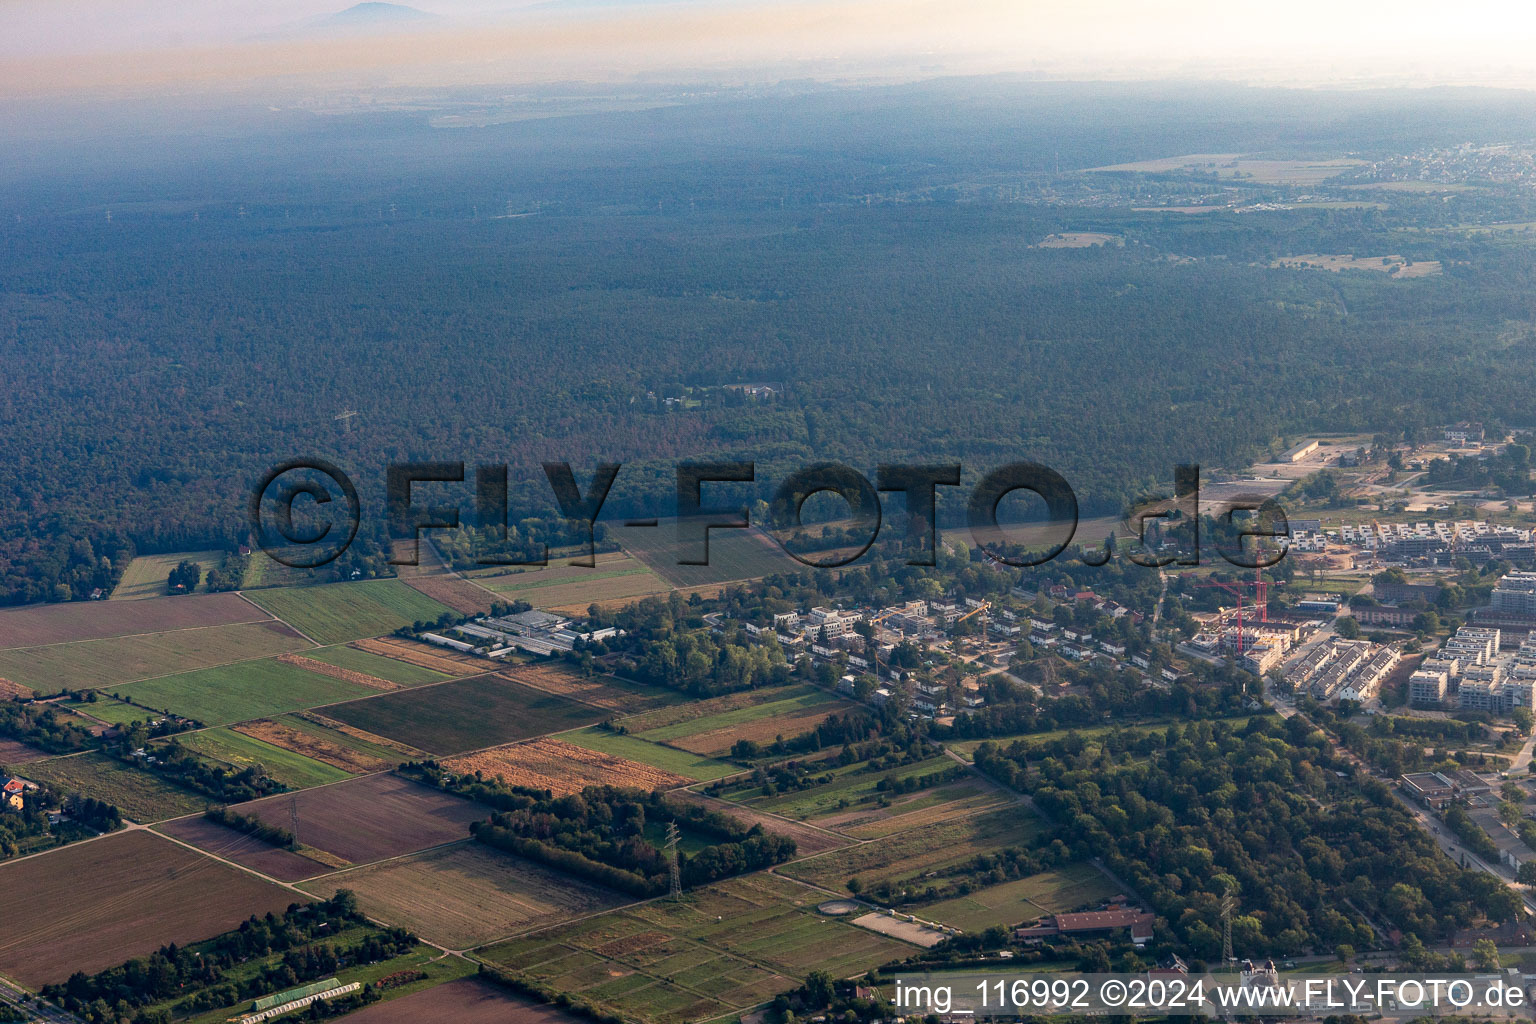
x=346, y=675
x=734, y=555
x=141, y=797
x=927, y=807
x=414, y=652
x=1394, y=266
x=370, y=818
x=1013, y=903
x=465, y=895
x=909, y=855
x=467, y=714
x=692, y=710
x=9, y=689
x=335, y=613
x=228, y=844
x=15, y=752
x=606, y=692
x=719, y=949
x=115, y=712
x=1231, y=165
x=41, y=624
x=549, y=763
x=462, y=596
x=235, y=693
x=668, y=759
x=615, y=577
x=292, y=769
x=762, y=723
x=465, y=1001
x=95, y=904
x=809, y=840
x=91, y=664
x=146, y=575
x=329, y=742
x=401, y=673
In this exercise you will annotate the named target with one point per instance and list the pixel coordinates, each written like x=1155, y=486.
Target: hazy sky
x=130, y=45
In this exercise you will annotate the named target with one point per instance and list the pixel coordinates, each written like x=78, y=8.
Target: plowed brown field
x=334, y=754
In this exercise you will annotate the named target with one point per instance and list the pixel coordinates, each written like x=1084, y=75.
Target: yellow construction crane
x=981, y=610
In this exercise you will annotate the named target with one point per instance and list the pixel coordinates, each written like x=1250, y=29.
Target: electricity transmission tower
x=671, y=847
x=1228, y=904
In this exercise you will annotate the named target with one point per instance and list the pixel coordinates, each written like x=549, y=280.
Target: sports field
x=465, y=895
x=101, y=663
x=395, y=671
x=234, y=693
x=141, y=797
x=467, y=714
x=678, y=762
x=337, y=612
x=292, y=769
x=909, y=855
x=92, y=905
x=1013, y=903
x=146, y=574
x=719, y=949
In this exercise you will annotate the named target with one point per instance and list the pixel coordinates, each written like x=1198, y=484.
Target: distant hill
x=372, y=14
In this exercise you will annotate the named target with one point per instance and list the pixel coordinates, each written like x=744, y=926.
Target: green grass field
x=852, y=787
x=718, y=950
x=450, y=718
x=114, y=711
x=400, y=672
x=146, y=574
x=678, y=762
x=805, y=701
x=141, y=797
x=91, y=664
x=1012, y=903
x=335, y=736
x=236, y=693
x=909, y=855
x=338, y=612
x=291, y=769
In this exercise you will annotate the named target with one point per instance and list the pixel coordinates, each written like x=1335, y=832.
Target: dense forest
x=885, y=280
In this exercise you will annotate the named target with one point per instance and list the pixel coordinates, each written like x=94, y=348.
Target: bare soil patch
x=548, y=763
x=337, y=672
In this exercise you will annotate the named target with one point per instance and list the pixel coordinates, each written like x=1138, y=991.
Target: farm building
x=1137, y=922
x=15, y=791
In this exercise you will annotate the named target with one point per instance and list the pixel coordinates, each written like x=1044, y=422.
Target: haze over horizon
x=180, y=47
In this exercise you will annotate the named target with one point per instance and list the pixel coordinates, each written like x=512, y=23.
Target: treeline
x=528, y=541
x=1470, y=832
x=223, y=783
x=600, y=834
x=526, y=986
x=252, y=826
x=38, y=725
x=1188, y=813
x=201, y=975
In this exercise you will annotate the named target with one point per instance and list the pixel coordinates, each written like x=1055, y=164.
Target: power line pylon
x=671, y=847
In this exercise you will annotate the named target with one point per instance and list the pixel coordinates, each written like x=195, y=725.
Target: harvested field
x=1078, y=240
x=337, y=612
x=905, y=856
x=9, y=689
x=669, y=759
x=141, y=797
x=465, y=895
x=608, y=693
x=328, y=746
x=146, y=575
x=1393, y=266
x=614, y=577
x=460, y=595
x=808, y=840
x=761, y=723
x=242, y=750
x=95, y=904
x=99, y=663
x=337, y=672
x=93, y=620
x=733, y=554
x=237, y=693
x=423, y=655
x=391, y=669
x=14, y=752
x=221, y=841
x=548, y=763
x=370, y=818
x=467, y=714
x=465, y=1001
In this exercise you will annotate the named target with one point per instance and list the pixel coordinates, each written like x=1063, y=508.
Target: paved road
x=38, y=1011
